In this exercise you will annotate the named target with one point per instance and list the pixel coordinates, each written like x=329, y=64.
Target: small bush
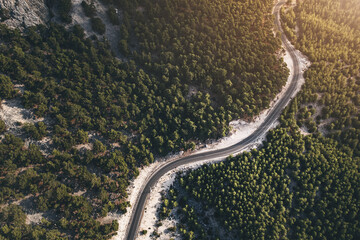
x=37, y=131
x=64, y=7
x=98, y=147
x=98, y=26
x=89, y=9
x=2, y=126
x=6, y=87
x=113, y=16
x=4, y=14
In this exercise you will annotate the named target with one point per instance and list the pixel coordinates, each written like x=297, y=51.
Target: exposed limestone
x=24, y=13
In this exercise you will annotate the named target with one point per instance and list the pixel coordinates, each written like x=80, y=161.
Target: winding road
x=138, y=209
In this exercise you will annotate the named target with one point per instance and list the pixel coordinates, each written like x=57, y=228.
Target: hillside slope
x=108, y=117
x=23, y=13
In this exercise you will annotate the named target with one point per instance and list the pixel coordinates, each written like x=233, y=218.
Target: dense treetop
x=49, y=183
x=226, y=47
x=109, y=116
x=294, y=187
x=329, y=36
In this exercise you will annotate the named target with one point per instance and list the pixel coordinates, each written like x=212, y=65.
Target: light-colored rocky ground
x=13, y=113
x=112, y=31
x=34, y=218
x=25, y=13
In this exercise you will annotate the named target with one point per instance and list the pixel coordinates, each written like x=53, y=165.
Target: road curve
x=137, y=213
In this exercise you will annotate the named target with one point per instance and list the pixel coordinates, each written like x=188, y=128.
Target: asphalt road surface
x=138, y=210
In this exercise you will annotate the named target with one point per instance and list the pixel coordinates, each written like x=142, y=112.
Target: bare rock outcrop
x=23, y=13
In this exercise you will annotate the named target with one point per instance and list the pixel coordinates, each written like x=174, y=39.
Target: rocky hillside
x=23, y=13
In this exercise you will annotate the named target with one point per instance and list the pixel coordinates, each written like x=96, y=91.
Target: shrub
x=89, y=9
x=6, y=87
x=114, y=19
x=98, y=26
x=2, y=126
x=4, y=14
x=64, y=7
x=37, y=131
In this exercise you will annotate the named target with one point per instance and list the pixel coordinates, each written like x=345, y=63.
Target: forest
x=226, y=48
x=329, y=101
x=108, y=117
x=303, y=183
x=294, y=187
